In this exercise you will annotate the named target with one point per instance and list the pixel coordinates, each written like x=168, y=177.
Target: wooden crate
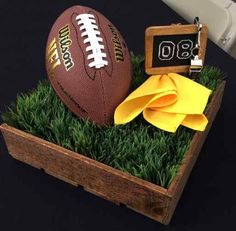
x=121, y=188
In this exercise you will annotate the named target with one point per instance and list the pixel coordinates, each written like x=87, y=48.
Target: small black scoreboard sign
x=171, y=48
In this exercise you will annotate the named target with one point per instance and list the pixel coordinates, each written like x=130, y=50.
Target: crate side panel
x=176, y=188
x=99, y=179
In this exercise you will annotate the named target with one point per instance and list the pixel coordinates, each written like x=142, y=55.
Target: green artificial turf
x=137, y=148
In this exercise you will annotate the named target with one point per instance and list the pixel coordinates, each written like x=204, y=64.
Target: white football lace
x=88, y=23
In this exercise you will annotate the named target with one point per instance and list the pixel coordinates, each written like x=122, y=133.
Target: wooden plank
x=95, y=177
x=174, y=29
x=176, y=188
x=166, y=70
x=121, y=188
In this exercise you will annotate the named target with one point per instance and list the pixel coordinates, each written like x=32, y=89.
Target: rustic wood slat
x=176, y=188
x=121, y=188
x=77, y=169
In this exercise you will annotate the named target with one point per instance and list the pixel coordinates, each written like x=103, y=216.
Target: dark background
x=32, y=200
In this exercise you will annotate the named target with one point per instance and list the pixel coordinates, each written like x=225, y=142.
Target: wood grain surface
x=121, y=188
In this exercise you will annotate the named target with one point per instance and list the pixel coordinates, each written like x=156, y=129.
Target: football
x=88, y=64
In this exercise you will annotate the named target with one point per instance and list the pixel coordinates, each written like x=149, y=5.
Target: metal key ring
x=199, y=28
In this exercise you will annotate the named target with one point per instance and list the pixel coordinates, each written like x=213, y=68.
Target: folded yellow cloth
x=167, y=101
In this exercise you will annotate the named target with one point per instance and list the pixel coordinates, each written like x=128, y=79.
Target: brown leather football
x=88, y=64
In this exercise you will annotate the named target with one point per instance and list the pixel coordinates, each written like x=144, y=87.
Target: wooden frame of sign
x=168, y=48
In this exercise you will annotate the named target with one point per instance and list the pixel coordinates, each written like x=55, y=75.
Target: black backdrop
x=32, y=200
